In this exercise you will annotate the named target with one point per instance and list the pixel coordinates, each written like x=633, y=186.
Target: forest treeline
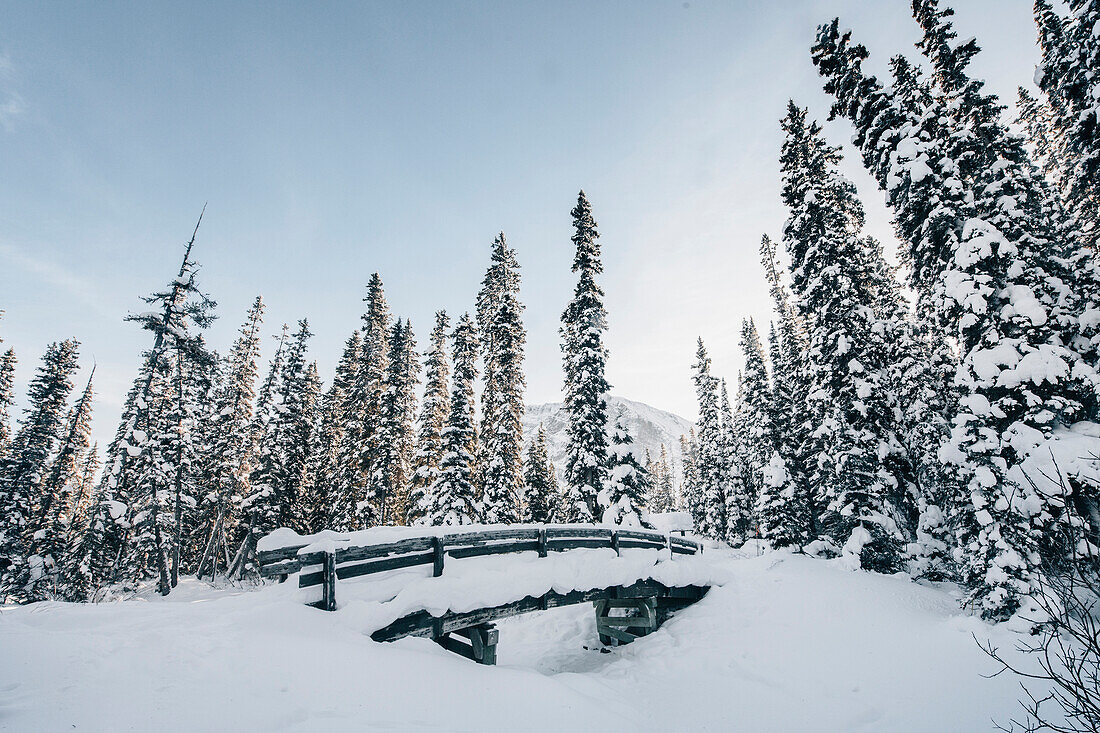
x=901, y=433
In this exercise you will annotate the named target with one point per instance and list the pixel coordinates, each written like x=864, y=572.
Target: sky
x=332, y=140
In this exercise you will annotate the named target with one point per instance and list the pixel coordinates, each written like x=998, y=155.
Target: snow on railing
x=322, y=559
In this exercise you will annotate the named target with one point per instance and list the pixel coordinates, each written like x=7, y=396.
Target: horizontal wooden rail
x=356, y=561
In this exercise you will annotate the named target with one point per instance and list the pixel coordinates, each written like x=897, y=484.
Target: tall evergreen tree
x=362, y=478
x=753, y=414
x=325, y=468
x=661, y=497
x=832, y=278
x=25, y=468
x=231, y=450
x=585, y=356
x=7, y=397
x=453, y=499
x=395, y=424
x=277, y=479
x=709, y=463
x=628, y=482
x=995, y=275
x=499, y=312
x=61, y=495
x=128, y=488
x=1067, y=77
x=433, y=418
x=540, y=491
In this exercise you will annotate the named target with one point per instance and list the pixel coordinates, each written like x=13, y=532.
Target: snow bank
x=789, y=643
x=374, y=601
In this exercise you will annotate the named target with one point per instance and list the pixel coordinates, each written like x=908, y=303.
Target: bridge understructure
x=623, y=614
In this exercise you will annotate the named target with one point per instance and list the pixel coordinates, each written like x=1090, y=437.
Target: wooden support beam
x=482, y=646
x=328, y=583
x=437, y=556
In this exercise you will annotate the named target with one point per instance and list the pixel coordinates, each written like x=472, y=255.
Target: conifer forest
x=899, y=472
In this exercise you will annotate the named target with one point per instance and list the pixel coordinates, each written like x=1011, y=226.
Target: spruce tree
x=231, y=451
x=753, y=414
x=24, y=472
x=999, y=277
x=7, y=398
x=832, y=279
x=540, y=491
x=691, y=495
x=628, y=482
x=128, y=488
x=61, y=495
x=325, y=469
x=789, y=417
x=779, y=512
x=1067, y=77
x=661, y=490
x=452, y=499
x=395, y=425
x=711, y=470
x=277, y=479
x=503, y=337
x=585, y=357
x=433, y=417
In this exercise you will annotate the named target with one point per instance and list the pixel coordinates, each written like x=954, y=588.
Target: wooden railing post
x=328, y=585
x=542, y=542
x=437, y=561
x=615, y=541
x=668, y=544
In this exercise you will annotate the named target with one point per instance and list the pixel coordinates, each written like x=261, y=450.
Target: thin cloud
x=12, y=105
x=56, y=276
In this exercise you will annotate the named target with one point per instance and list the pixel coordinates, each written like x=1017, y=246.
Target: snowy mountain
x=648, y=426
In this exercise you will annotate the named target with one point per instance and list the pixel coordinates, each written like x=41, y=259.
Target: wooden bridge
x=623, y=612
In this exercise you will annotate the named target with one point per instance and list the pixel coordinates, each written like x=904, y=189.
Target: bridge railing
x=325, y=567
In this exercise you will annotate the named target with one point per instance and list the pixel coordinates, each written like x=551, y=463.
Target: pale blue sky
x=333, y=140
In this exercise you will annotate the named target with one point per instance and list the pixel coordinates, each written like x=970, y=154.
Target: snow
x=672, y=521
x=788, y=643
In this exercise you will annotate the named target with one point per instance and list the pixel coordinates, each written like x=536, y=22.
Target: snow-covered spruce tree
x=753, y=413
x=660, y=498
x=1068, y=79
x=627, y=483
x=585, y=357
x=310, y=509
x=395, y=424
x=25, y=468
x=126, y=486
x=452, y=499
x=780, y=514
x=709, y=463
x=540, y=490
x=86, y=535
x=328, y=440
x=789, y=417
x=996, y=277
x=60, y=497
x=363, y=477
x=732, y=465
x=433, y=418
x=499, y=314
x=7, y=397
x=283, y=449
x=691, y=496
x=230, y=458
x=832, y=280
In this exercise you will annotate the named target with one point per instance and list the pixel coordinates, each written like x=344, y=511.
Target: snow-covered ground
x=787, y=643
